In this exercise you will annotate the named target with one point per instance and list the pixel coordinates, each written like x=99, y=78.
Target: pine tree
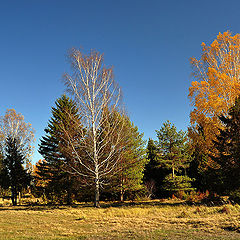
x=171, y=148
x=53, y=168
x=14, y=175
x=173, y=154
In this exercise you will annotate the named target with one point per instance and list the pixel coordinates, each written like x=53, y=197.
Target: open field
x=145, y=220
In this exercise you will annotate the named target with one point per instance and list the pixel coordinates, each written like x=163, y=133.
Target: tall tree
x=52, y=170
x=16, y=138
x=129, y=171
x=172, y=148
x=200, y=164
x=216, y=85
x=173, y=154
x=228, y=152
x=98, y=98
x=14, y=174
x=153, y=173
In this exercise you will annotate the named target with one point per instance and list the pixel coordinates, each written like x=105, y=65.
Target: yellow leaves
x=218, y=74
x=236, y=86
x=39, y=180
x=215, y=45
x=195, y=84
x=216, y=83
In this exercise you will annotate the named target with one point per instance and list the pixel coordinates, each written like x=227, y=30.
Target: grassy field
x=145, y=220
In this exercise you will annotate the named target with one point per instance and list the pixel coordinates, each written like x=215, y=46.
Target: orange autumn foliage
x=216, y=85
x=39, y=180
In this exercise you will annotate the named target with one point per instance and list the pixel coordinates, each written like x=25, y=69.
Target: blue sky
x=148, y=42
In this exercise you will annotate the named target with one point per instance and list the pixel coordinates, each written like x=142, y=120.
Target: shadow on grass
x=144, y=204
x=33, y=207
x=152, y=203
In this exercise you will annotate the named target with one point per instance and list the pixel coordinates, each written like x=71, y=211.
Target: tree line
x=92, y=150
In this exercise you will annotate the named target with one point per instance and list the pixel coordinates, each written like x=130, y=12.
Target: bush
x=177, y=184
x=182, y=195
x=235, y=196
x=197, y=196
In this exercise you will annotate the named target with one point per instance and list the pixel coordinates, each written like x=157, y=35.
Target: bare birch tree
x=97, y=150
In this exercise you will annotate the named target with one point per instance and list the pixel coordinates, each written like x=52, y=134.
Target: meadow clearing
x=139, y=220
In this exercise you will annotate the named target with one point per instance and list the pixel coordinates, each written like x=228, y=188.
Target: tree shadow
x=32, y=207
x=144, y=204
x=140, y=204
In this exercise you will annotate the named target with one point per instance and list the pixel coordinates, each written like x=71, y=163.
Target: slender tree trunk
x=13, y=196
x=173, y=172
x=122, y=191
x=19, y=198
x=69, y=191
x=96, y=200
x=69, y=198
x=121, y=195
x=16, y=198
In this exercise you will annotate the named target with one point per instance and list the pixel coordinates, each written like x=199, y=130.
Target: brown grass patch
x=145, y=220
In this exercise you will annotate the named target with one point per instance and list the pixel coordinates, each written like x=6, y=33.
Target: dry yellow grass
x=146, y=220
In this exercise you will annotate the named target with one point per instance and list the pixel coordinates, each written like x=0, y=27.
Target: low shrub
x=235, y=196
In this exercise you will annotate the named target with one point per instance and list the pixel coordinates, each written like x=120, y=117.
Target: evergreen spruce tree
x=13, y=173
x=199, y=165
x=153, y=173
x=53, y=169
x=227, y=175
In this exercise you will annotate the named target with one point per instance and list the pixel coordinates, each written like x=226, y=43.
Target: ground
x=139, y=220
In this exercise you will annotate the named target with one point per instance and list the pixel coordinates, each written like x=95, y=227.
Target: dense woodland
x=92, y=151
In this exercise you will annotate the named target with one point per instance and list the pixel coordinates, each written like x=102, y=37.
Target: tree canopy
x=216, y=84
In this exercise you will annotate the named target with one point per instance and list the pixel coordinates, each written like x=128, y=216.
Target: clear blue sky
x=148, y=42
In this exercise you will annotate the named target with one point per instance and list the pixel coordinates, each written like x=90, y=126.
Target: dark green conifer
x=227, y=175
x=13, y=173
x=53, y=168
x=153, y=174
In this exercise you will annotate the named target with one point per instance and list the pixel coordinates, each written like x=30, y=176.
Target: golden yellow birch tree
x=216, y=85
